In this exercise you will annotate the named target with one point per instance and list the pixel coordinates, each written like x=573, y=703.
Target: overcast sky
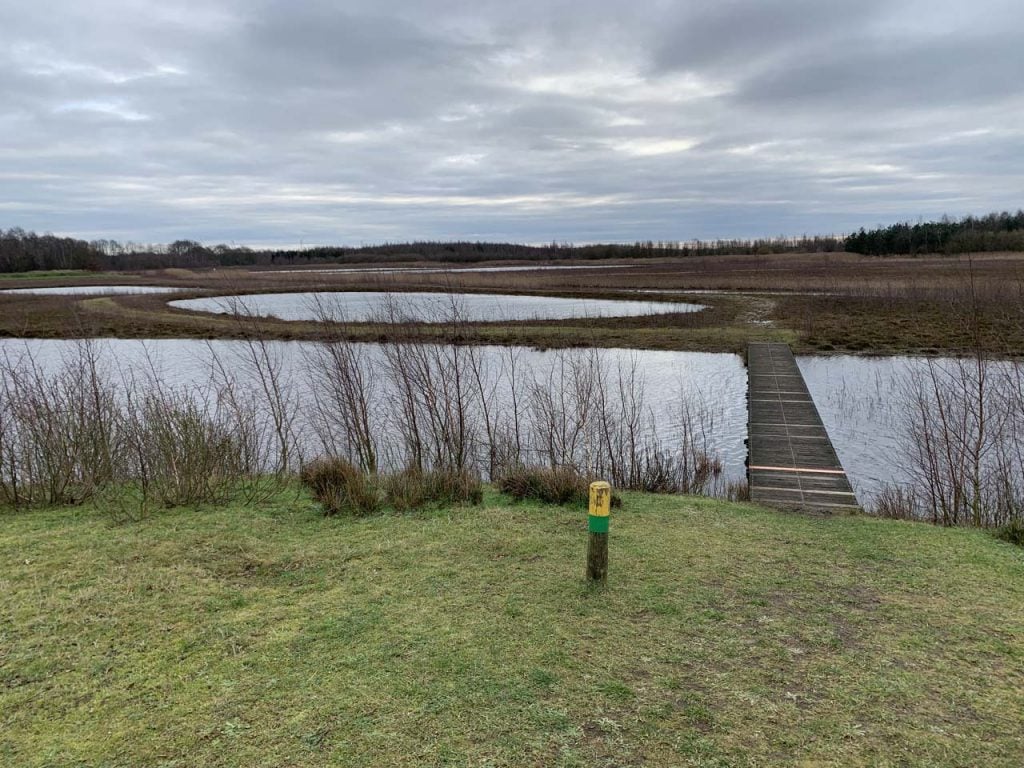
x=346, y=122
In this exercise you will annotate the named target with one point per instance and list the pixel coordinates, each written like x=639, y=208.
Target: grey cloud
x=938, y=73
x=270, y=121
x=319, y=39
x=734, y=32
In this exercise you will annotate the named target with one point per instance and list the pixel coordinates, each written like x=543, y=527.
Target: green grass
x=728, y=635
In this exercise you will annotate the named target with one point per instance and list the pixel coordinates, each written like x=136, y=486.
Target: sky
x=265, y=122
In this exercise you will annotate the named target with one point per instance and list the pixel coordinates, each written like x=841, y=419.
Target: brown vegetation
x=817, y=302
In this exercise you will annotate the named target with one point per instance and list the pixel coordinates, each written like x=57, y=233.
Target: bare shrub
x=433, y=393
x=431, y=390
x=345, y=378
x=697, y=467
x=683, y=470
x=59, y=433
x=344, y=402
x=897, y=502
x=624, y=456
x=340, y=487
x=416, y=404
x=563, y=409
x=185, y=451
x=261, y=364
x=961, y=436
x=424, y=405
x=738, y=490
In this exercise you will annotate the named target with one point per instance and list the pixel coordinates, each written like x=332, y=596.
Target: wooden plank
x=790, y=459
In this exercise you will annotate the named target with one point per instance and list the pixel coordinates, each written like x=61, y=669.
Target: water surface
x=446, y=270
x=89, y=290
x=359, y=306
x=857, y=397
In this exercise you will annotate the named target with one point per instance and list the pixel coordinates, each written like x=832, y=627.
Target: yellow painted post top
x=600, y=499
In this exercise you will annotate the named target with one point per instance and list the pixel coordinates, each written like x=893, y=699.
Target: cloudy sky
x=280, y=122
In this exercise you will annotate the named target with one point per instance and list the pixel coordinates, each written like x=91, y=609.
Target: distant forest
x=22, y=251
x=994, y=232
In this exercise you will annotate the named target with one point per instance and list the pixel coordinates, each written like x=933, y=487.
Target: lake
x=855, y=395
x=359, y=306
x=89, y=290
x=445, y=270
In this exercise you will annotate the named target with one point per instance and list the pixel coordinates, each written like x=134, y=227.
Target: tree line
x=993, y=232
x=22, y=251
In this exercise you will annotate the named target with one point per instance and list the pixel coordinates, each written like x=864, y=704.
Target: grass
x=728, y=635
x=44, y=274
x=881, y=325
x=718, y=329
x=872, y=305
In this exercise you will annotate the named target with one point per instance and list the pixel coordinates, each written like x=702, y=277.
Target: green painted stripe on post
x=598, y=523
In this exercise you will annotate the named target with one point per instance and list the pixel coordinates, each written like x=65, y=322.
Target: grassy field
x=728, y=635
x=43, y=275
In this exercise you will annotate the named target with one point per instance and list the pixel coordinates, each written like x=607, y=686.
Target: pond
x=359, y=306
x=445, y=270
x=855, y=396
x=89, y=290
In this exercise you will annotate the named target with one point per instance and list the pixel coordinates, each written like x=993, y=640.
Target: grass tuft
x=340, y=487
x=416, y=489
x=549, y=485
x=1013, y=533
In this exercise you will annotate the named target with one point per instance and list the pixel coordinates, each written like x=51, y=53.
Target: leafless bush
x=668, y=452
x=72, y=432
x=182, y=454
x=897, y=502
x=59, y=434
x=737, y=490
x=415, y=405
x=695, y=466
x=431, y=406
x=344, y=401
x=962, y=437
x=563, y=406
x=260, y=364
x=431, y=392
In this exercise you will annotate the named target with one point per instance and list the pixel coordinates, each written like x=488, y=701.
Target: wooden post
x=597, y=547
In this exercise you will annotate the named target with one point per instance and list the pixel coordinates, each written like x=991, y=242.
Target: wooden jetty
x=790, y=459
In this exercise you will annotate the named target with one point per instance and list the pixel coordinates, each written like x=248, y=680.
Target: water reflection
x=89, y=290
x=856, y=396
x=358, y=306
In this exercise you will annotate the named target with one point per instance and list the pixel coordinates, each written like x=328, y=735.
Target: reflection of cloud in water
x=361, y=306
x=856, y=396
x=714, y=384
x=860, y=402
x=443, y=270
x=89, y=290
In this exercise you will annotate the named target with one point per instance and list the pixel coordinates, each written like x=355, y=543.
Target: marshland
x=290, y=507
x=511, y=385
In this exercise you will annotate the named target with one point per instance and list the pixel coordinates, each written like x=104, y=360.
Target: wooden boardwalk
x=790, y=460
